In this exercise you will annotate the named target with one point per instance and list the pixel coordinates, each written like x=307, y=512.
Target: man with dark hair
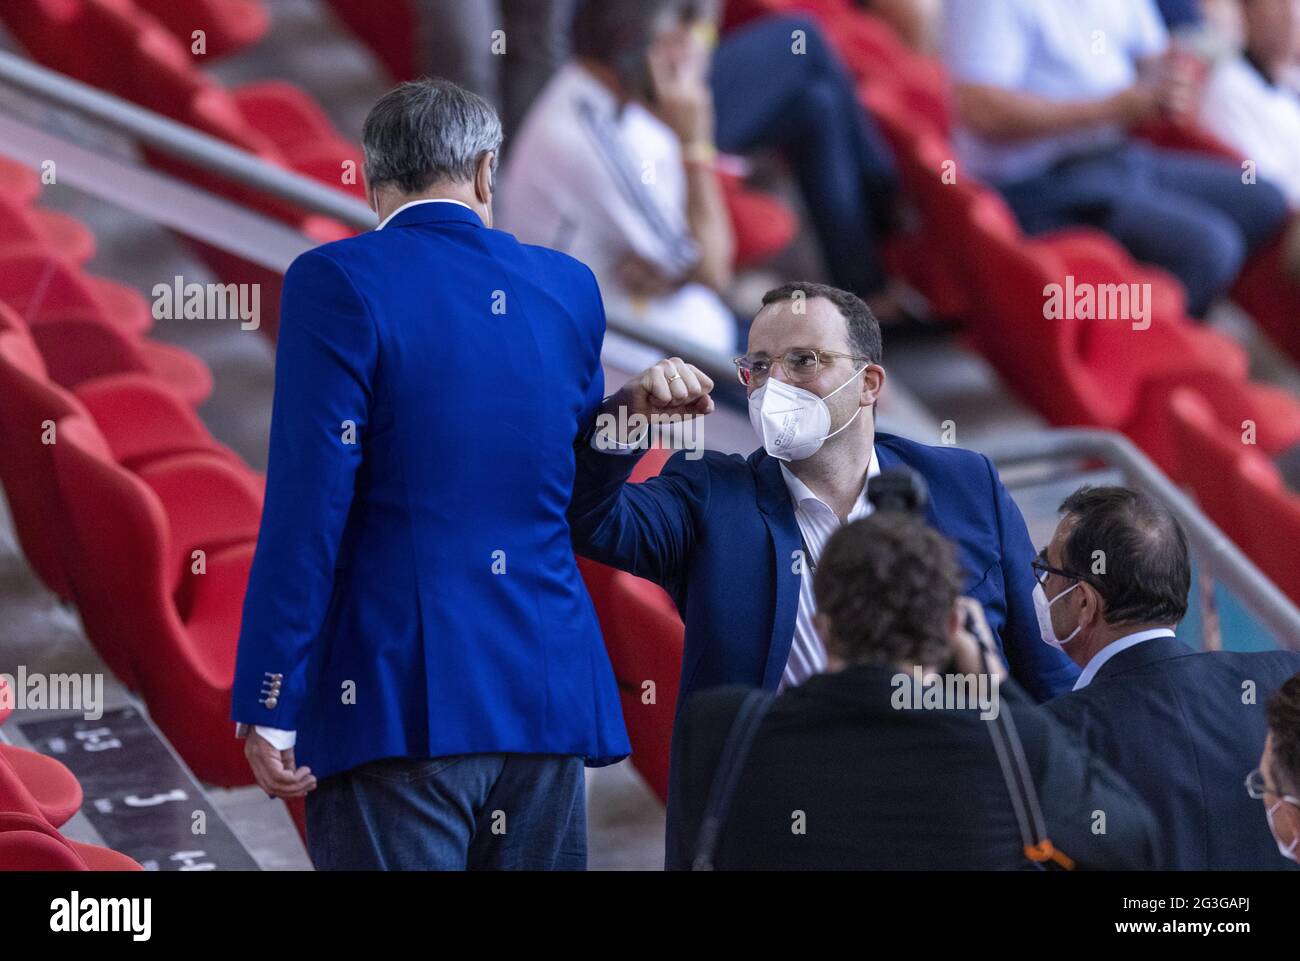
x=734, y=540
x=447, y=708
x=1276, y=781
x=1183, y=727
x=848, y=772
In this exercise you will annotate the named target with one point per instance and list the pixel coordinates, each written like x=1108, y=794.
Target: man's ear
x=483, y=179
x=873, y=376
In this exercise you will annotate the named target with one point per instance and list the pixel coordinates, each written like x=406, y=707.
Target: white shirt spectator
x=1258, y=119
x=817, y=522
x=1065, y=50
x=599, y=182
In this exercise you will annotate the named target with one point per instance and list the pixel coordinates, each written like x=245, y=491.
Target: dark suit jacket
x=719, y=534
x=883, y=788
x=1177, y=725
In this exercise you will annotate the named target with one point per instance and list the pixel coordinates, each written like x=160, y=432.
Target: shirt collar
x=1113, y=648
x=802, y=494
x=415, y=203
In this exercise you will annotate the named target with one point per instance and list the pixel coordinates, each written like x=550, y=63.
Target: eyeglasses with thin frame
x=1042, y=569
x=801, y=364
x=1257, y=786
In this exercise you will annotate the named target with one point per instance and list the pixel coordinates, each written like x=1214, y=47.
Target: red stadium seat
x=142, y=420
x=228, y=25
x=1270, y=515
x=1209, y=458
x=22, y=225
x=184, y=665
x=53, y=788
x=1266, y=292
x=29, y=843
x=41, y=286
x=763, y=225
x=390, y=31
x=30, y=404
x=18, y=182
x=76, y=351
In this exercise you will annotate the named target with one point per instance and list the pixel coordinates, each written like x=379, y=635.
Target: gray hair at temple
x=428, y=130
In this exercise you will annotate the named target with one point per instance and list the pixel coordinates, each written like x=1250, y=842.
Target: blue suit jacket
x=719, y=534
x=1177, y=725
x=414, y=590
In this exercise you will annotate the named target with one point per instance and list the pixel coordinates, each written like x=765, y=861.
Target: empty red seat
x=41, y=286
x=29, y=843
x=228, y=25
x=54, y=789
x=23, y=225
x=184, y=665
x=19, y=182
x=1271, y=522
x=1209, y=458
x=78, y=350
x=390, y=31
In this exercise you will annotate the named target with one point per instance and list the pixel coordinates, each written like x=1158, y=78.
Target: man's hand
x=679, y=71
x=671, y=386
x=973, y=636
x=275, y=771
x=1134, y=105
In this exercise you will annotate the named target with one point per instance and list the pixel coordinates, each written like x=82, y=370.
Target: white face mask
x=1043, y=610
x=1288, y=852
x=792, y=422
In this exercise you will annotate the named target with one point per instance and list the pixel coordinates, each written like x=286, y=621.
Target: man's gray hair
x=428, y=130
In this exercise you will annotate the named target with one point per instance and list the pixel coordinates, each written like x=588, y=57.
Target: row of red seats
x=117, y=46
x=38, y=795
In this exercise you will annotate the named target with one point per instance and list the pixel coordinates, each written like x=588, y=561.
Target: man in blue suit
x=415, y=629
x=1185, y=728
x=735, y=540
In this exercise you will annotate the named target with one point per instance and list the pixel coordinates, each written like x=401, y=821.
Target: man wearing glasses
x=1276, y=781
x=1183, y=727
x=735, y=541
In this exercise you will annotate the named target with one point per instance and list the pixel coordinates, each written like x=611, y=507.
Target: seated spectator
x=1247, y=103
x=1182, y=727
x=628, y=190
x=1276, y=781
x=842, y=773
x=1047, y=94
x=459, y=41
x=804, y=105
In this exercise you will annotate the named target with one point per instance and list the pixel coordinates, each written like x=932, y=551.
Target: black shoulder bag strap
x=734, y=751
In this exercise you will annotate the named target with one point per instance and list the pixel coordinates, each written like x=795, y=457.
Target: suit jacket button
x=270, y=703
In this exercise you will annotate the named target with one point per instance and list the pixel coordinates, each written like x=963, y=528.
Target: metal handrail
x=182, y=142
x=1216, y=553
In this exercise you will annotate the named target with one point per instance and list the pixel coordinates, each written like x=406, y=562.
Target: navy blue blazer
x=719, y=534
x=414, y=590
x=1185, y=728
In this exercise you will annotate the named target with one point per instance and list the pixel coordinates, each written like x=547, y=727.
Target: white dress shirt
x=817, y=522
x=1113, y=648
x=281, y=739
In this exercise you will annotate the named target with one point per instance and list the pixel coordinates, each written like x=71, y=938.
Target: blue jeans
x=1187, y=213
x=468, y=811
x=807, y=107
